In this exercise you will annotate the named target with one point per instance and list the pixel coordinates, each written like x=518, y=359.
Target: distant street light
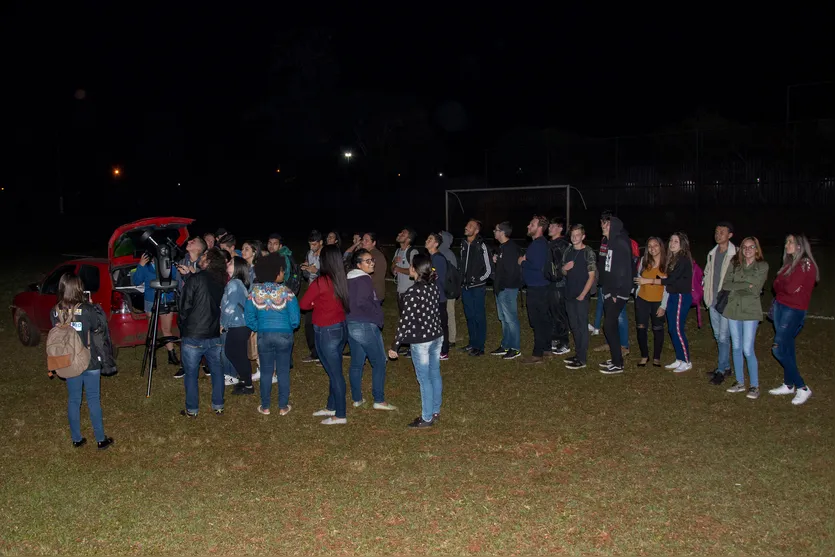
x=117, y=171
x=440, y=174
x=278, y=171
x=348, y=154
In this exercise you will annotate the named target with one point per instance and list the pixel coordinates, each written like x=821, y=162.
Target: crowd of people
x=235, y=306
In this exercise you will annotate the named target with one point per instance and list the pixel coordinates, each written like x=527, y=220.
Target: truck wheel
x=28, y=334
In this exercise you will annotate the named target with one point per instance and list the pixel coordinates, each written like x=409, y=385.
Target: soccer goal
x=513, y=203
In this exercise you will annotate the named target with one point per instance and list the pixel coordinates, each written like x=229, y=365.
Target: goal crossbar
x=512, y=188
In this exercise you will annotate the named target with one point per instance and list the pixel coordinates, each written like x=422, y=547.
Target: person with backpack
x=453, y=291
x=507, y=280
x=719, y=260
x=72, y=355
x=400, y=267
x=557, y=245
x=440, y=264
x=679, y=285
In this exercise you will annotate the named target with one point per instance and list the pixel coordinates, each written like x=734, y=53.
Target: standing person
x=400, y=267
x=310, y=271
x=507, y=280
x=327, y=299
x=369, y=242
x=234, y=333
x=651, y=301
x=623, y=323
x=199, y=323
x=356, y=243
x=439, y=263
x=533, y=274
x=616, y=276
x=718, y=262
x=793, y=287
x=210, y=240
x=272, y=311
x=251, y=252
x=557, y=245
x=475, y=269
x=420, y=326
x=579, y=266
x=679, y=284
x=71, y=308
x=446, y=244
x=744, y=312
x=365, y=322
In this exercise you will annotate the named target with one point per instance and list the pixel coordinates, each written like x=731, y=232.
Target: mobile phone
x=88, y=296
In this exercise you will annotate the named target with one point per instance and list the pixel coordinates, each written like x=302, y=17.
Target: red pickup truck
x=108, y=281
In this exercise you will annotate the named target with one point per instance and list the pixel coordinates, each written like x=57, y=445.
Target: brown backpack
x=66, y=355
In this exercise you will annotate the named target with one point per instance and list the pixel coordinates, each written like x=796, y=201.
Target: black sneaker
x=104, y=444
x=218, y=411
x=728, y=373
x=718, y=378
x=419, y=423
x=499, y=351
x=188, y=414
x=241, y=389
x=81, y=443
x=206, y=371
x=466, y=348
x=612, y=370
x=180, y=373
x=573, y=363
x=511, y=354
x=435, y=418
x=476, y=352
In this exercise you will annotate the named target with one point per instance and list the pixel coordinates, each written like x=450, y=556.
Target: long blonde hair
x=803, y=251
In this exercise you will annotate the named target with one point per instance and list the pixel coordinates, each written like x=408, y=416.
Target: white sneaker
x=334, y=421
x=736, y=388
x=229, y=380
x=384, y=406
x=358, y=403
x=275, y=378
x=257, y=375
x=595, y=332
x=591, y=328
x=325, y=412
x=782, y=390
x=802, y=396
x=682, y=367
x=673, y=365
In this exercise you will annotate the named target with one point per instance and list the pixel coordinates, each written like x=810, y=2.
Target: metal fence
x=787, y=165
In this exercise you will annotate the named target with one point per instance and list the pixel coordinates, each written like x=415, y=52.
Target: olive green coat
x=745, y=284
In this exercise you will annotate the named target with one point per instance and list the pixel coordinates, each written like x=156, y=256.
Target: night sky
x=213, y=98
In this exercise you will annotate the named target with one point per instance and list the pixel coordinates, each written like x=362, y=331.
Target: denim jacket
x=232, y=305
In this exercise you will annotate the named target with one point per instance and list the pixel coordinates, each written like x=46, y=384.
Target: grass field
x=527, y=460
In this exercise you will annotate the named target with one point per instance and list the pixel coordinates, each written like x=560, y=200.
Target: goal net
x=515, y=204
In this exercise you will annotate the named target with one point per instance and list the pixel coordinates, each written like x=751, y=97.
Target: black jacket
x=680, y=279
x=615, y=264
x=556, y=250
x=475, y=263
x=508, y=273
x=199, y=312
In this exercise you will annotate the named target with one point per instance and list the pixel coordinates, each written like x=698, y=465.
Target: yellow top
x=651, y=292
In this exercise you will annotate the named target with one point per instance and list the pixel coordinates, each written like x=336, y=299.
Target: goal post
x=507, y=203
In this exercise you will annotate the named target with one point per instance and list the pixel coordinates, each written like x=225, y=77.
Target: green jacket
x=745, y=284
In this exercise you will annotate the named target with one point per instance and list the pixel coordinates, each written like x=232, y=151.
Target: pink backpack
x=697, y=291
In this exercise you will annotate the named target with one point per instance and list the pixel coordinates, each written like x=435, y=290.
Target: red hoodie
x=321, y=298
x=795, y=290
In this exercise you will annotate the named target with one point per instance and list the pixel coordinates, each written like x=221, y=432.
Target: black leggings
x=237, y=341
x=646, y=313
x=444, y=326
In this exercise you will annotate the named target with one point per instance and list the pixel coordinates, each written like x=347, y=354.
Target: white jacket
x=707, y=283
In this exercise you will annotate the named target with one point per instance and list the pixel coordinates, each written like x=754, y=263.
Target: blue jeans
x=508, y=310
x=366, y=340
x=623, y=326
x=89, y=381
x=192, y=351
x=743, y=334
x=274, y=352
x=330, y=343
x=476, y=314
x=225, y=364
x=719, y=324
x=426, y=358
x=788, y=322
x=678, y=306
